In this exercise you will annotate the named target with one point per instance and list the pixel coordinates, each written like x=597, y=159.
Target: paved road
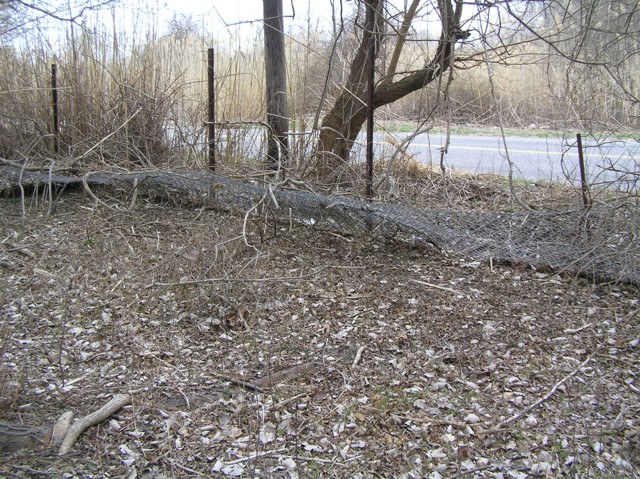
x=535, y=158
x=549, y=159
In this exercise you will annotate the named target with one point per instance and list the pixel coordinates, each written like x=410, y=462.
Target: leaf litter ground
x=310, y=354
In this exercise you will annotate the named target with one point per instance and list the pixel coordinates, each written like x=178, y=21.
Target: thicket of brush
x=138, y=98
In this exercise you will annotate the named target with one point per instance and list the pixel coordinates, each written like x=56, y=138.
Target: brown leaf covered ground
x=366, y=358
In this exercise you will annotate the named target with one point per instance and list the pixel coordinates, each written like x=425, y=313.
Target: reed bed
x=133, y=91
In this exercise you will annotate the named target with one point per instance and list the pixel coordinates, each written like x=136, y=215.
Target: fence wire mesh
x=602, y=242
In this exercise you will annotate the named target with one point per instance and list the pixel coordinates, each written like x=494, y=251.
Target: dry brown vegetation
x=304, y=352
x=137, y=98
x=362, y=358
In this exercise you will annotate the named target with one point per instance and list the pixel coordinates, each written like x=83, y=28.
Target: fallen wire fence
x=602, y=243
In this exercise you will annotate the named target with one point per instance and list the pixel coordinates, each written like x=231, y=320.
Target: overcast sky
x=219, y=13
x=216, y=18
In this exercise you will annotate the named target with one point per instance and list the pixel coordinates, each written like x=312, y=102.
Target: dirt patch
x=371, y=359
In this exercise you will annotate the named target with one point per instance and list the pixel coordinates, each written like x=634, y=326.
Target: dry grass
x=137, y=98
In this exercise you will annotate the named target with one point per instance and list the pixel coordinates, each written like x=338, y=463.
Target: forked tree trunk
x=342, y=124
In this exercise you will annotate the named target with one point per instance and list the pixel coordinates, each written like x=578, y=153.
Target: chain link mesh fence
x=602, y=242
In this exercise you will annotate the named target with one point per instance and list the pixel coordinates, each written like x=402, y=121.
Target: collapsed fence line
x=551, y=240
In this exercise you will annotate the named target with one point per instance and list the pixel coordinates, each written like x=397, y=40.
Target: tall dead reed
x=133, y=94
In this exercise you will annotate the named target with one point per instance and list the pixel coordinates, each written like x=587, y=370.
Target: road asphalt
x=533, y=158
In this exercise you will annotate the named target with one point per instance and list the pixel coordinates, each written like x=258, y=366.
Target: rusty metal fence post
x=586, y=200
x=55, y=129
x=371, y=62
x=212, y=111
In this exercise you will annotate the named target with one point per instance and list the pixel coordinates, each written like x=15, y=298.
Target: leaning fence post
x=586, y=200
x=212, y=111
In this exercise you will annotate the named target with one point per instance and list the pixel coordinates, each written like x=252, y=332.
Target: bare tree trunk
x=402, y=38
x=343, y=122
x=276, y=82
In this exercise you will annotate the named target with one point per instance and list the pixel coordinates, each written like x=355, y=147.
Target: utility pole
x=276, y=81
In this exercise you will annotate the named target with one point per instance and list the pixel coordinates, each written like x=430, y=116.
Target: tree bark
x=276, y=84
x=341, y=125
x=402, y=38
x=343, y=122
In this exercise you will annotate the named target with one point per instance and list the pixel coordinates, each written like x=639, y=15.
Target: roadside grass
x=487, y=130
